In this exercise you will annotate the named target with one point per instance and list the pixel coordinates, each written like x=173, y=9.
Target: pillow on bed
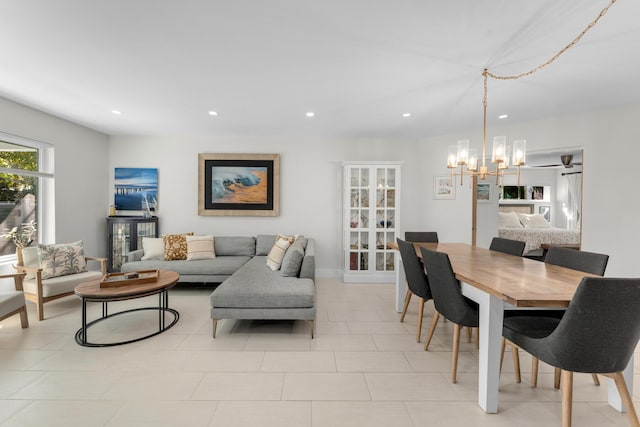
x=533, y=221
x=508, y=220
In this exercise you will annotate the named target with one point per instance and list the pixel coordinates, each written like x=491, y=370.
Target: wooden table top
x=92, y=289
x=519, y=281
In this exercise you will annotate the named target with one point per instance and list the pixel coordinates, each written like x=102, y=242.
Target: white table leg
x=401, y=283
x=614, y=396
x=491, y=317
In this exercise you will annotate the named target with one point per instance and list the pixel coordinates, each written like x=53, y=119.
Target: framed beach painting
x=483, y=193
x=136, y=189
x=443, y=187
x=238, y=184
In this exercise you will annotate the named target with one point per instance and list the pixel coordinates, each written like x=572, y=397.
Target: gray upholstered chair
x=12, y=301
x=582, y=340
x=416, y=237
x=589, y=262
x=448, y=299
x=507, y=246
x=417, y=281
x=421, y=236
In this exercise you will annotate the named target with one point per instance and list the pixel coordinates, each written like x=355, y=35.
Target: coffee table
x=92, y=292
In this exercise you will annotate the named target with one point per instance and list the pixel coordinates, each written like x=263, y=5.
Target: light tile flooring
x=364, y=368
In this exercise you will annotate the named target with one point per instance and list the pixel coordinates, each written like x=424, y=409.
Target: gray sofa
x=248, y=288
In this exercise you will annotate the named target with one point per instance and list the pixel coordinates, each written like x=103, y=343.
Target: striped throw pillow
x=200, y=247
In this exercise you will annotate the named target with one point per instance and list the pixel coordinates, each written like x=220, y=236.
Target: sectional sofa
x=248, y=288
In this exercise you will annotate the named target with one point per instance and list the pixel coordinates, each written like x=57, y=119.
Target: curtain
x=574, y=200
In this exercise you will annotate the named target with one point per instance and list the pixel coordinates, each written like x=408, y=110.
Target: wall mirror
x=545, y=208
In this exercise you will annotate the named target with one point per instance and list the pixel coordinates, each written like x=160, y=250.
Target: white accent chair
x=13, y=302
x=40, y=291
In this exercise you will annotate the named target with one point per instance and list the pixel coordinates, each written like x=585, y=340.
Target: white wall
x=310, y=184
x=610, y=207
x=80, y=172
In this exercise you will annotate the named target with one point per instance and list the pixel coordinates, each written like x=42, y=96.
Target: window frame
x=45, y=215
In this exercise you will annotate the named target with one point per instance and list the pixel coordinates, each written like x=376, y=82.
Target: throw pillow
x=175, y=246
x=292, y=261
x=153, y=248
x=276, y=254
x=508, y=220
x=533, y=221
x=200, y=247
x=62, y=259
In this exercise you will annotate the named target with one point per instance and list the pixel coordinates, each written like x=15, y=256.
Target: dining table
x=498, y=282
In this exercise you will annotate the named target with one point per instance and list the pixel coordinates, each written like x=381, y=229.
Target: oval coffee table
x=92, y=292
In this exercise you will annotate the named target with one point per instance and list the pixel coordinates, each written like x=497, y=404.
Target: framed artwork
x=136, y=189
x=238, y=184
x=545, y=211
x=443, y=187
x=537, y=193
x=483, y=194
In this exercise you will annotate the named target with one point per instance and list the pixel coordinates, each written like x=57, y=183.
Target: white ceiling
x=358, y=64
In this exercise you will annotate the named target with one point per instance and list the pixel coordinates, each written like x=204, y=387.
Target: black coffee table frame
x=162, y=308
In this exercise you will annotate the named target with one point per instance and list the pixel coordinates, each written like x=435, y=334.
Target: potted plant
x=21, y=236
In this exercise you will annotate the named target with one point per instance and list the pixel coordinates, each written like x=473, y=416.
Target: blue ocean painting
x=135, y=188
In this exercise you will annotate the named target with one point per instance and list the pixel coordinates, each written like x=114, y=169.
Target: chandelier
x=501, y=154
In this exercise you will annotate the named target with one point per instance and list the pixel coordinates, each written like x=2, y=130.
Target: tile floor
x=364, y=368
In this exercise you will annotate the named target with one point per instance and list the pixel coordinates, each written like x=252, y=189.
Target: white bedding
x=534, y=237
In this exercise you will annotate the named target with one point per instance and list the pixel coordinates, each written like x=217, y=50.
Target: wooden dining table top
x=519, y=281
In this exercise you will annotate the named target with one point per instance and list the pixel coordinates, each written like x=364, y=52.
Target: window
x=26, y=184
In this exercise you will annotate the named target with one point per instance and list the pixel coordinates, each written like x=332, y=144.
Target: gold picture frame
x=238, y=184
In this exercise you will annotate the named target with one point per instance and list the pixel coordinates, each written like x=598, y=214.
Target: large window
x=26, y=176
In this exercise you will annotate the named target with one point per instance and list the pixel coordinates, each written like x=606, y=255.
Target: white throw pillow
x=30, y=259
x=533, y=221
x=508, y=220
x=276, y=254
x=153, y=248
x=200, y=247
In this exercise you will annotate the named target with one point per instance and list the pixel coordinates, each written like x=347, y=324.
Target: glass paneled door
x=371, y=220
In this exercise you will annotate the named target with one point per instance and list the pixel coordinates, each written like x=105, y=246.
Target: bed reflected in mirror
x=544, y=208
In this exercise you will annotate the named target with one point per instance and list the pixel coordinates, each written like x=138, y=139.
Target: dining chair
x=421, y=236
x=588, y=262
x=448, y=300
x=417, y=281
x=416, y=237
x=507, y=246
x=12, y=302
x=582, y=340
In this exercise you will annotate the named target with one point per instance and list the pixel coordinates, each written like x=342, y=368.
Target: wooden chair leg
x=596, y=381
x=24, y=320
x=420, y=314
x=477, y=338
x=454, y=356
x=469, y=333
x=534, y=371
x=567, y=397
x=432, y=329
x=407, y=298
x=516, y=362
x=621, y=385
x=556, y=378
x=40, y=309
x=503, y=346
x=215, y=324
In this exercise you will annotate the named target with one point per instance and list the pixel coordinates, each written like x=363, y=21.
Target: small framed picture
x=545, y=211
x=443, y=187
x=483, y=194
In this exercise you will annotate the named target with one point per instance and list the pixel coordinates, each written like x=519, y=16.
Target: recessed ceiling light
x=117, y=112
x=310, y=114
x=503, y=116
x=213, y=113
x=406, y=115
